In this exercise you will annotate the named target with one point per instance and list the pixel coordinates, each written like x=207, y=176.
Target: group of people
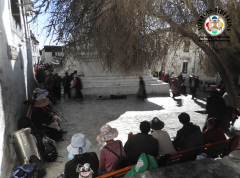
x=152, y=140
x=45, y=116
x=50, y=80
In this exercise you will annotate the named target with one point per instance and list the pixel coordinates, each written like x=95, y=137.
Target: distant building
x=52, y=54
x=186, y=60
x=35, y=49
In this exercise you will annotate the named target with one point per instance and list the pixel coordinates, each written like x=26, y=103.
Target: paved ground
x=89, y=115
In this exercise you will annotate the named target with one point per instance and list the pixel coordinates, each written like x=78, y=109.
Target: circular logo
x=214, y=25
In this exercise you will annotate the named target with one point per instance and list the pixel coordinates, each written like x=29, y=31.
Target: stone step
x=125, y=89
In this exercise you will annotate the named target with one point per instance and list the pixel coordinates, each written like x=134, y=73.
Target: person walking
x=78, y=86
x=142, y=91
x=175, y=87
x=193, y=83
x=66, y=85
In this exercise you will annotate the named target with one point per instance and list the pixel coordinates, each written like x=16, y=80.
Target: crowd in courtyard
x=152, y=140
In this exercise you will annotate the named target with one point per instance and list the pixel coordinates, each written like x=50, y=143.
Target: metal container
x=24, y=145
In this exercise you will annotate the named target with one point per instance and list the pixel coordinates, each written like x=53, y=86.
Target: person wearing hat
x=189, y=136
x=164, y=141
x=42, y=119
x=193, y=83
x=78, y=155
x=107, y=159
x=216, y=108
x=141, y=143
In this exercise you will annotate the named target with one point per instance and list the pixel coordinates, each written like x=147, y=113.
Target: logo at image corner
x=214, y=25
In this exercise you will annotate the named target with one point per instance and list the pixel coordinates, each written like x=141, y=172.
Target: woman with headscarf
x=164, y=141
x=78, y=155
x=107, y=159
x=142, y=91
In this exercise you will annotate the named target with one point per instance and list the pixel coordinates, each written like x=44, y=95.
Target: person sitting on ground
x=164, y=141
x=189, y=136
x=78, y=155
x=103, y=97
x=141, y=143
x=213, y=133
x=107, y=159
x=43, y=120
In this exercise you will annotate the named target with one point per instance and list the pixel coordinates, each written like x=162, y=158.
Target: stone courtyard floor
x=89, y=115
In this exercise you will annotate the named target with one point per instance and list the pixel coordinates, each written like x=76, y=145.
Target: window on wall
x=186, y=46
x=53, y=53
x=16, y=11
x=185, y=66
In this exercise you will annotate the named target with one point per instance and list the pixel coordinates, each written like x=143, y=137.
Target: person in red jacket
x=213, y=133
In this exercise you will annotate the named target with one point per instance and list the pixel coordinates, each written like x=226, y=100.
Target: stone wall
x=16, y=81
x=207, y=168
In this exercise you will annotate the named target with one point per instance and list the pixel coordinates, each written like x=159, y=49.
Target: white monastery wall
x=16, y=80
x=175, y=61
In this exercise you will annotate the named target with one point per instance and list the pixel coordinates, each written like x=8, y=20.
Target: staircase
x=121, y=85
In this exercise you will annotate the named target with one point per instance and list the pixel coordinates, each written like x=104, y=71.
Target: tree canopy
x=135, y=34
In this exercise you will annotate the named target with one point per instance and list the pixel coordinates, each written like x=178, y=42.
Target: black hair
x=214, y=122
x=145, y=127
x=184, y=118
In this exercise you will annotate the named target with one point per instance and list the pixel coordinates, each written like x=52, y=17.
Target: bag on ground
x=41, y=168
x=25, y=171
x=51, y=153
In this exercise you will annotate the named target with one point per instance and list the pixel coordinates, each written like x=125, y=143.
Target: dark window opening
x=53, y=53
x=186, y=46
x=185, y=65
x=16, y=11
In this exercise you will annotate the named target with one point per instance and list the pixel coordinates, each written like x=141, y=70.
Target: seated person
x=189, y=136
x=213, y=133
x=164, y=141
x=103, y=97
x=107, y=159
x=42, y=119
x=141, y=143
x=78, y=155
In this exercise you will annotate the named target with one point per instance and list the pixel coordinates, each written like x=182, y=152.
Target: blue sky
x=40, y=33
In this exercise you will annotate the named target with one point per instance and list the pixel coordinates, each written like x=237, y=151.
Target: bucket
x=24, y=145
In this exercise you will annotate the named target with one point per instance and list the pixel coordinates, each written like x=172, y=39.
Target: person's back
x=141, y=143
x=164, y=142
x=107, y=160
x=213, y=133
x=189, y=136
x=70, y=166
x=78, y=155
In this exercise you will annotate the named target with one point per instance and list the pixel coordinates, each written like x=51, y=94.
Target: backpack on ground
x=51, y=153
x=25, y=171
x=122, y=160
x=41, y=168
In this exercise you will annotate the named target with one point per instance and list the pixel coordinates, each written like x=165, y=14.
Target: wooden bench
x=213, y=150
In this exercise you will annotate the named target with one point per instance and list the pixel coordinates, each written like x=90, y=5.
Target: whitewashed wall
x=175, y=64
x=16, y=82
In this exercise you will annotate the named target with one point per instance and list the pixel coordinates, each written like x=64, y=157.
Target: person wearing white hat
x=107, y=159
x=78, y=155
